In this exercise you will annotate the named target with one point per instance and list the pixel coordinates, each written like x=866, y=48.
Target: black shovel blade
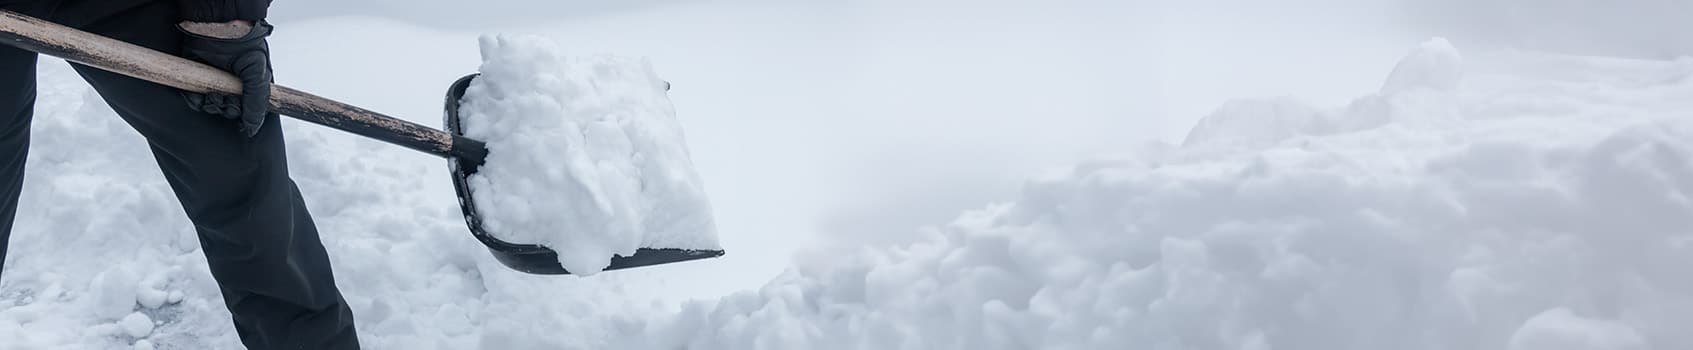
x=531, y=258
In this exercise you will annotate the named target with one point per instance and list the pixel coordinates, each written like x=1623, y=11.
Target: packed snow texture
x=1542, y=205
x=585, y=155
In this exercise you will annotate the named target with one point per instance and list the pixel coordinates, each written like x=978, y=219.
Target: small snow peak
x=1435, y=65
x=1256, y=123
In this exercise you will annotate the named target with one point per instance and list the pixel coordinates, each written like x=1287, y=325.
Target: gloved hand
x=248, y=57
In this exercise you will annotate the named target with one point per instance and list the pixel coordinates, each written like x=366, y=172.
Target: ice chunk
x=586, y=155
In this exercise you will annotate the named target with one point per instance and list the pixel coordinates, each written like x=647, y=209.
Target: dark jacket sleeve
x=218, y=11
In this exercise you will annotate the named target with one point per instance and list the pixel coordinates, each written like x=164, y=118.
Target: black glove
x=248, y=57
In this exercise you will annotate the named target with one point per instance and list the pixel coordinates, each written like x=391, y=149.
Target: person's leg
x=17, y=104
x=254, y=228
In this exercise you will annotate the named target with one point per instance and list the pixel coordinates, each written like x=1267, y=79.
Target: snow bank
x=585, y=155
x=1515, y=209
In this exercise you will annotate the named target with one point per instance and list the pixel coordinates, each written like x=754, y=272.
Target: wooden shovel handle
x=128, y=59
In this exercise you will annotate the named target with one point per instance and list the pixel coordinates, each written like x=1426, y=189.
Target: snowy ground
x=1520, y=201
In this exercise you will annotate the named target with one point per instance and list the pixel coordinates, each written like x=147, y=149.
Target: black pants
x=252, y=223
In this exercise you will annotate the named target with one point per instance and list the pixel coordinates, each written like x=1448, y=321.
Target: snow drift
x=1542, y=204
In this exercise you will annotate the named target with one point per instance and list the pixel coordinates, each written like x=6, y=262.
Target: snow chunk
x=151, y=298
x=586, y=155
x=114, y=293
x=137, y=325
x=1560, y=329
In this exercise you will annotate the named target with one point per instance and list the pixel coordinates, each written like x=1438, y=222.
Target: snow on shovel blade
x=464, y=155
x=531, y=258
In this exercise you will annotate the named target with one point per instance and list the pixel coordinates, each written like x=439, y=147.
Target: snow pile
x=1515, y=208
x=101, y=255
x=585, y=155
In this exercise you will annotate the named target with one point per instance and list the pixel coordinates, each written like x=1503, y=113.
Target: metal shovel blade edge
x=531, y=258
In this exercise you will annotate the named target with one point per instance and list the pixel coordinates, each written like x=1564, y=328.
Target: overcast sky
x=1641, y=28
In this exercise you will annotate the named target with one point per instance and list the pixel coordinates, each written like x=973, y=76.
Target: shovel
x=464, y=155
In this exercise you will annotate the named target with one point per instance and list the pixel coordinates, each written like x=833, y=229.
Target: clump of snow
x=136, y=325
x=1408, y=234
x=586, y=155
x=151, y=298
x=114, y=293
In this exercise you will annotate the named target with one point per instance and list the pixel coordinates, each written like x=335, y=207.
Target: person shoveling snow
x=625, y=194
x=635, y=171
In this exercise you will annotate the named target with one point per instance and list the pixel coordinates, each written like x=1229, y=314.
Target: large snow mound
x=1524, y=207
x=586, y=155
